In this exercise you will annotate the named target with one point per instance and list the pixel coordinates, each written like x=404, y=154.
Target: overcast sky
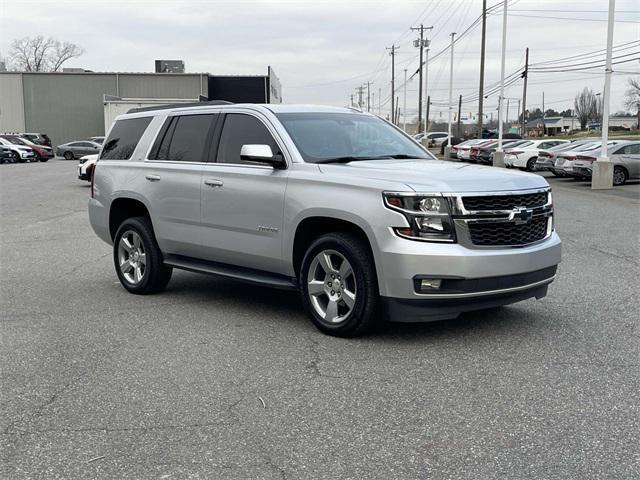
x=323, y=50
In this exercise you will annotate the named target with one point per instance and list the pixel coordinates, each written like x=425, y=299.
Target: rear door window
x=184, y=138
x=124, y=138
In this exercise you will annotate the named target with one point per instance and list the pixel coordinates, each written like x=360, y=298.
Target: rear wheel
x=619, y=176
x=531, y=164
x=339, y=286
x=138, y=259
x=68, y=155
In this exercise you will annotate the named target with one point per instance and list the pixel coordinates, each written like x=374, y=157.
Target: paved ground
x=97, y=383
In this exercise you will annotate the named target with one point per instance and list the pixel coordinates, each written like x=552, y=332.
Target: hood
x=439, y=176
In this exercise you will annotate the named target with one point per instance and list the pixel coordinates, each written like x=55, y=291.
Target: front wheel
x=619, y=176
x=68, y=155
x=138, y=259
x=339, y=286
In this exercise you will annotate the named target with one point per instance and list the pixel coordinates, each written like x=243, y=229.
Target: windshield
x=322, y=137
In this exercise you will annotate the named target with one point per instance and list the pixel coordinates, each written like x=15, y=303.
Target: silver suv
x=336, y=203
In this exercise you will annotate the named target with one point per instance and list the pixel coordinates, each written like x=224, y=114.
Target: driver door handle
x=213, y=182
x=152, y=177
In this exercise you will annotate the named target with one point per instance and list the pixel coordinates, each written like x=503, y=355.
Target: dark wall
x=238, y=89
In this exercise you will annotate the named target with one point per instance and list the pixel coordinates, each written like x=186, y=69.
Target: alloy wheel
x=331, y=286
x=132, y=258
x=618, y=176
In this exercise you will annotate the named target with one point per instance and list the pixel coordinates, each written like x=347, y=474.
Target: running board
x=249, y=275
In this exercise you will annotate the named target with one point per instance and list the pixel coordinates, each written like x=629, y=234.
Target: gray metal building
x=70, y=106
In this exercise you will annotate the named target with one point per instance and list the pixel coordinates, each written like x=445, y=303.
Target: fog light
x=430, y=284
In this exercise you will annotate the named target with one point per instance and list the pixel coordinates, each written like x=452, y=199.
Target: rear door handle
x=152, y=177
x=213, y=182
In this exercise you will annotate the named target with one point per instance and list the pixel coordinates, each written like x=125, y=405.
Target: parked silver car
x=77, y=149
x=625, y=158
x=340, y=205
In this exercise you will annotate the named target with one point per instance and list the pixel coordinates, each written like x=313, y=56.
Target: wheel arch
x=122, y=208
x=313, y=226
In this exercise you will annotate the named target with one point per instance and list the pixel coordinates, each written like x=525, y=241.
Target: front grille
x=505, y=202
x=508, y=233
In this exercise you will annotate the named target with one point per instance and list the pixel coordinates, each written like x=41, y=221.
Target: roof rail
x=179, y=105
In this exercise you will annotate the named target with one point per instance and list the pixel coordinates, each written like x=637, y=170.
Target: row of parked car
x=563, y=158
x=36, y=147
x=25, y=147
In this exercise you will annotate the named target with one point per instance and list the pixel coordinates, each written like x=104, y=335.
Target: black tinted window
x=189, y=138
x=241, y=130
x=124, y=138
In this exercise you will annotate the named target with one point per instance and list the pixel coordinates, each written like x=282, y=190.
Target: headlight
x=429, y=217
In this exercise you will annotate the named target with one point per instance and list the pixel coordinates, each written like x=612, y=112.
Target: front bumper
x=402, y=310
x=544, y=164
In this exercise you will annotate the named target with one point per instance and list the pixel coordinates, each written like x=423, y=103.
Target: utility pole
x=507, y=122
x=426, y=81
x=404, y=105
x=379, y=101
x=448, y=147
x=393, y=85
x=498, y=156
x=420, y=43
x=360, y=91
x=602, y=176
x=481, y=89
x=369, y=96
x=518, y=114
x=524, y=92
x=373, y=100
x=544, y=127
x=459, y=112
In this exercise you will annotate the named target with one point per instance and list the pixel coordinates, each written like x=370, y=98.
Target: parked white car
x=463, y=149
x=435, y=139
x=19, y=153
x=86, y=166
x=525, y=155
x=564, y=160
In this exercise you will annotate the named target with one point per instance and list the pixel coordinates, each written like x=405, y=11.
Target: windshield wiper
x=347, y=159
x=350, y=158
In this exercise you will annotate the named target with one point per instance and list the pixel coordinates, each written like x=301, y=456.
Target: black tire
x=364, y=315
x=68, y=155
x=156, y=275
x=36, y=158
x=620, y=176
x=531, y=164
x=44, y=160
x=556, y=174
x=15, y=158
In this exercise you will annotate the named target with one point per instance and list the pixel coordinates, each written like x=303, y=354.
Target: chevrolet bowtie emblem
x=521, y=214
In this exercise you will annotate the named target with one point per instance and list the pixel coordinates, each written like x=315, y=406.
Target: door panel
x=242, y=215
x=173, y=190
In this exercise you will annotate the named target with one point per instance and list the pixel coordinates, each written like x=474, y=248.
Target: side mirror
x=261, y=154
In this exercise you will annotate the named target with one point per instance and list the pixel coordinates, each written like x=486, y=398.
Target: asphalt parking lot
x=217, y=379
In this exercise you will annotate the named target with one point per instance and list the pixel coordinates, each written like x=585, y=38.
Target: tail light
x=585, y=158
x=545, y=154
x=515, y=152
x=93, y=178
x=569, y=157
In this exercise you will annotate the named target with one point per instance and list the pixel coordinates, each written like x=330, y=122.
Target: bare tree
x=632, y=97
x=37, y=54
x=586, y=107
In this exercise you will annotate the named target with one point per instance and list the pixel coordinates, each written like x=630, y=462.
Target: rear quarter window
x=124, y=138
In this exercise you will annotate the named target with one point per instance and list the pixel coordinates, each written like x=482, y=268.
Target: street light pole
x=602, y=173
x=426, y=97
x=404, y=103
x=448, y=147
x=498, y=156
